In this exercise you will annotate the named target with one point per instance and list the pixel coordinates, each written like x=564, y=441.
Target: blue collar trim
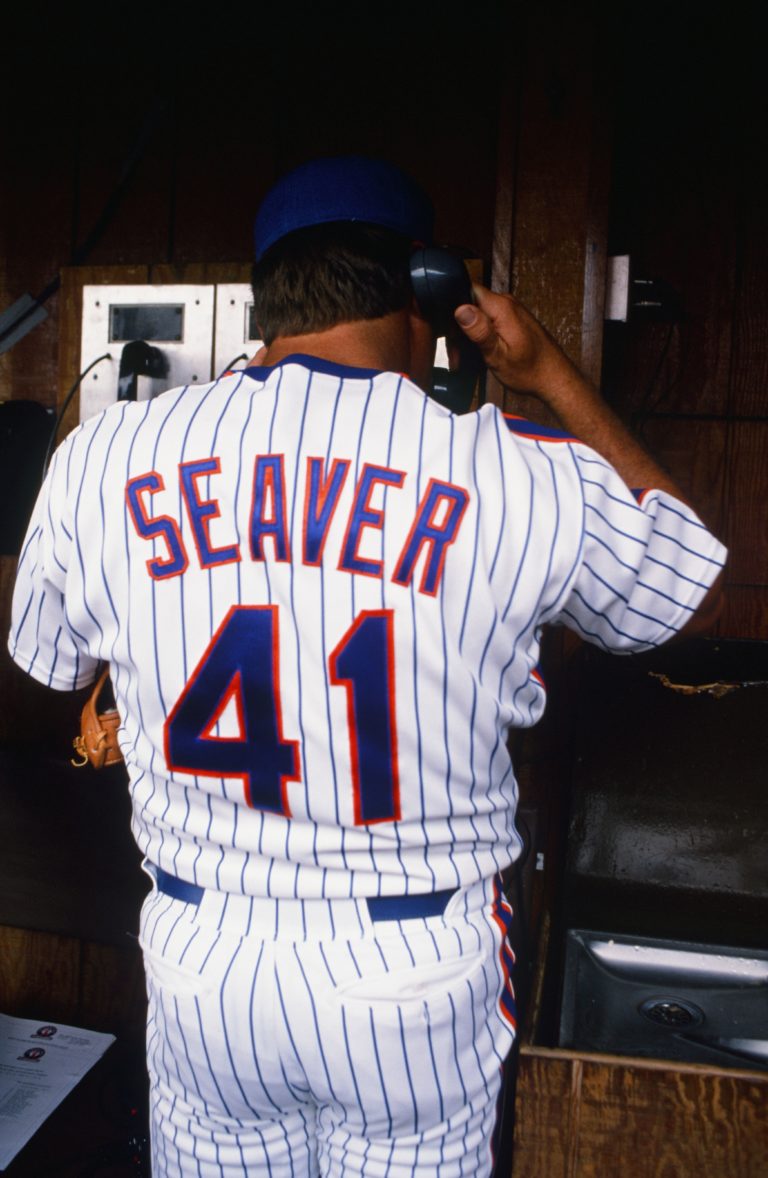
x=315, y=364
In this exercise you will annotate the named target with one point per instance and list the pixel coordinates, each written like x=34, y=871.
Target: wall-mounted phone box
x=201, y=330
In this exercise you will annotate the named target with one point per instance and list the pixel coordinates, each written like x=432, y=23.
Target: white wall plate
x=114, y=315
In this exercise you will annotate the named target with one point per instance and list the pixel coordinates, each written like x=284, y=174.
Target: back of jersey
x=320, y=594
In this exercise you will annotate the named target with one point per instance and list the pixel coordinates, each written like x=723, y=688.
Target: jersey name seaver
x=433, y=528
x=321, y=597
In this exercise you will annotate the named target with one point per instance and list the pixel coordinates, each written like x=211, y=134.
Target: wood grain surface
x=65, y=979
x=600, y=1117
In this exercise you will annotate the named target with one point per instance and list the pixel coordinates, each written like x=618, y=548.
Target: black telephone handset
x=441, y=284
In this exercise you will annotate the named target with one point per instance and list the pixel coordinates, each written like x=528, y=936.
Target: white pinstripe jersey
x=321, y=597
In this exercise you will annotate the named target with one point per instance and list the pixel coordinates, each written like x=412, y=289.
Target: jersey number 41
x=240, y=669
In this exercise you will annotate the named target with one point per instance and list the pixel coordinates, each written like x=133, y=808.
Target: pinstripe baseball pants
x=290, y=1037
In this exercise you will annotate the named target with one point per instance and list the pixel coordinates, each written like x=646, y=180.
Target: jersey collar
x=315, y=364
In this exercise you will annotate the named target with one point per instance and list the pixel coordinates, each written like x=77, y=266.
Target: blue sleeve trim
x=538, y=433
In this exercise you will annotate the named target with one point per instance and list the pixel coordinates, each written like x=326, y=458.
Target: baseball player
x=321, y=596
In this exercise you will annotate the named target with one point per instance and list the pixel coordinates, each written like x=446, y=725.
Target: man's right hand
x=518, y=350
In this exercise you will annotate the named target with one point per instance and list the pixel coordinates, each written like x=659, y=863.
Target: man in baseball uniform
x=321, y=596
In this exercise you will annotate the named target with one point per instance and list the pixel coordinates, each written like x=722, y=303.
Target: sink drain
x=672, y=1012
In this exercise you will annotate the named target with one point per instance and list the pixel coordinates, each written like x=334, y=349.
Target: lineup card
x=40, y=1063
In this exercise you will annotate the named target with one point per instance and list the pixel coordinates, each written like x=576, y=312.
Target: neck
x=382, y=344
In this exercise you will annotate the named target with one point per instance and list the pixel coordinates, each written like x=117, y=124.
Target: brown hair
x=322, y=275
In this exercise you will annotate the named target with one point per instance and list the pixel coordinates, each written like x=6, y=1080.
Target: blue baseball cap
x=344, y=188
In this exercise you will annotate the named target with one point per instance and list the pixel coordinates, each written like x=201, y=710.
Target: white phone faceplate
x=189, y=359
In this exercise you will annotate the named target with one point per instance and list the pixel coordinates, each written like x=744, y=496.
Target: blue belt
x=379, y=907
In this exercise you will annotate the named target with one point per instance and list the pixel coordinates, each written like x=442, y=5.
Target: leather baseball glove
x=97, y=741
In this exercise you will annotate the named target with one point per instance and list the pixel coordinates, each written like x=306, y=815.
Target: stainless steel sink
x=666, y=999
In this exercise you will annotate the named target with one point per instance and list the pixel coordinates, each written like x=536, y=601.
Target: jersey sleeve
x=43, y=640
x=646, y=562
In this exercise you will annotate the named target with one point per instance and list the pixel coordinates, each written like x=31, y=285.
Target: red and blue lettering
x=239, y=673
x=320, y=502
x=240, y=667
x=161, y=527
x=364, y=664
x=436, y=536
x=268, y=509
x=364, y=516
x=202, y=511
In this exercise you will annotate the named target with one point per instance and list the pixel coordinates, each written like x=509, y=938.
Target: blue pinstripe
x=323, y=635
x=78, y=548
x=213, y=449
x=225, y=1035
x=313, y=1007
x=294, y=613
x=383, y=598
x=185, y=438
x=597, y=613
x=255, y=1054
x=685, y=548
x=614, y=556
x=381, y=1074
x=613, y=527
x=357, y=472
x=445, y=670
x=682, y=515
x=680, y=576
x=411, y=1089
x=353, y=1074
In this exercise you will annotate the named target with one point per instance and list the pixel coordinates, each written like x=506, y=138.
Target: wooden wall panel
x=745, y=614
x=689, y=195
x=141, y=223
x=594, y=1117
x=200, y=272
x=17, y=714
x=675, y=208
x=112, y=993
x=226, y=155
x=552, y=187
x=689, y=242
x=38, y=222
x=671, y=1123
x=39, y=974
x=560, y=235
x=547, y=1099
x=695, y=452
x=746, y=530
x=749, y=380
x=46, y=976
